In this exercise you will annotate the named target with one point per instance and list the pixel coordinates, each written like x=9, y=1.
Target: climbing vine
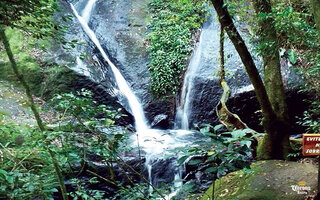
x=173, y=25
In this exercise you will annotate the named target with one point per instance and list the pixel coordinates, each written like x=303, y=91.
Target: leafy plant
x=136, y=192
x=84, y=193
x=311, y=118
x=221, y=152
x=84, y=128
x=80, y=113
x=172, y=24
x=25, y=172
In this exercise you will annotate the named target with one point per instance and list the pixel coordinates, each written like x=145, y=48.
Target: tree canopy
x=35, y=17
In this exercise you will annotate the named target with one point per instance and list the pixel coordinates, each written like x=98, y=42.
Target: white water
x=183, y=110
x=135, y=106
x=149, y=168
x=86, y=13
x=81, y=68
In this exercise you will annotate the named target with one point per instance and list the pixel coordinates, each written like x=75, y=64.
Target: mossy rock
x=272, y=179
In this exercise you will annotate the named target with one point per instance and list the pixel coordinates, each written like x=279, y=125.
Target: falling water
x=183, y=110
x=135, y=106
x=86, y=13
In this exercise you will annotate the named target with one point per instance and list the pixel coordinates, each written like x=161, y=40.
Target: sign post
x=311, y=147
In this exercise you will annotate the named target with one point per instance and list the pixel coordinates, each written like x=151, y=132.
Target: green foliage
x=28, y=65
x=298, y=40
x=104, y=140
x=25, y=172
x=83, y=193
x=221, y=152
x=172, y=26
x=58, y=80
x=85, y=110
x=17, y=185
x=293, y=27
x=136, y=192
x=297, y=32
x=33, y=17
x=311, y=118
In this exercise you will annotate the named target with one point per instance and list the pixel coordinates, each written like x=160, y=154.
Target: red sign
x=311, y=144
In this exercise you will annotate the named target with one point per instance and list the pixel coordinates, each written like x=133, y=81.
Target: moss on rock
x=272, y=179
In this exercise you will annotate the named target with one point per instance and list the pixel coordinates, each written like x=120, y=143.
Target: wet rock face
x=162, y=171
x=123, y=33
x=207, y=94
x=102, y=96
x=160, y=113
x=120, y=26
x=206, y=91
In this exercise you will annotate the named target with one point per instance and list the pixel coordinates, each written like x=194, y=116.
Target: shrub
x=172, y=25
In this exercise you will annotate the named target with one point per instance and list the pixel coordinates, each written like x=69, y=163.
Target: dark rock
x=160, y=121
x=102, y=95
x=247, y=107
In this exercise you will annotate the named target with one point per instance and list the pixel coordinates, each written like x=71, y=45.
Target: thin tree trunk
x=271, y=60
x=271, y=124
x=230, y=120
x=20, y=77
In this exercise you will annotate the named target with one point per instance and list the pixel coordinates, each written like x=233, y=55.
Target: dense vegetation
x=173, y=25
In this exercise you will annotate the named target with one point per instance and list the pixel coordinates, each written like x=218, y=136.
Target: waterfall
x=134, y=104
x=183, y=109
x=86, y=13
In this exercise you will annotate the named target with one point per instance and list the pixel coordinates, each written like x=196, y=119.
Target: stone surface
x=273, y=179
x=121, y=27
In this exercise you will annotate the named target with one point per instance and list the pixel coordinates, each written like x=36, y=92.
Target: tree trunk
x=271, y=61
x=20, y=77
x=316, y=13
x=275, y=142
x=272, y=74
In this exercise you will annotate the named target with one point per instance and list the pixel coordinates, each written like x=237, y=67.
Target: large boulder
x=273, y=179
